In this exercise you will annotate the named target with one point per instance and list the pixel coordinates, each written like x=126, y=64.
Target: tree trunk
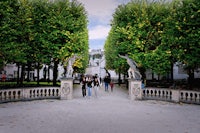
x=22, y=74
x=38, y=74
x=172, y=71
x=191, y=78
x=45, y=73
x=142, y=71
x=152, y=74
x=28, y=72
x=48, y=73
x=159, y=77
x=119, y=78
x=55, y=72
x=18, y=68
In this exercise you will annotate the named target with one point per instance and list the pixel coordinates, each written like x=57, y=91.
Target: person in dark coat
x=83, y=84
x=106, y=82
x=96, y=86
x=89, y=86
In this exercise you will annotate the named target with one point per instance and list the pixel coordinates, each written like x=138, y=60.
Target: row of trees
x=36, y=32
x=156, y=35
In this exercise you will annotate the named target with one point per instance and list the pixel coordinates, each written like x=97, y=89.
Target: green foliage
x=37, y=31
x=8, y=30
x=187, y=27
x=155, y=34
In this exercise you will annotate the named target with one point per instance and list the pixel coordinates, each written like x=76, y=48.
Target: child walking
x=111, y=86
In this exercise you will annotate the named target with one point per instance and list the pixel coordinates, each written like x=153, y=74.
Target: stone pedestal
x=66, y=89
x=175, y=95
x=135, y=89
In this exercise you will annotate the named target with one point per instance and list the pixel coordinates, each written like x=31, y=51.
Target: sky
x=99, y=16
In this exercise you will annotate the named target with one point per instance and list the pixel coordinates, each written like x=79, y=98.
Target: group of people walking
x=89, y=83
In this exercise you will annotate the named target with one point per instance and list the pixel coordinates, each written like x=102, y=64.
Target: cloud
x=99, y=32
x=100, y=9
x=99, y=15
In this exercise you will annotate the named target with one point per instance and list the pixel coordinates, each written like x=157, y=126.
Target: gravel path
x=112, y=112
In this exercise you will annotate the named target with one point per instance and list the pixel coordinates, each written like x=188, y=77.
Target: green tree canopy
x=155, y=34
x=42, y=31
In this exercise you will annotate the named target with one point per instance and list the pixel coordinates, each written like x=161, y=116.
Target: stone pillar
x=135, y=89
x=66, y=89
x=175, y=95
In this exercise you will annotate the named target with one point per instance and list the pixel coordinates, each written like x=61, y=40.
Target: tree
x=156, y=35
x=15, y=32
x=187, y=20
x=137, y=31
x=7, y=30
x=41, y=32
x=67, y=33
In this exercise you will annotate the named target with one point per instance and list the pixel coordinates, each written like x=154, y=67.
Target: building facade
x=97, y=64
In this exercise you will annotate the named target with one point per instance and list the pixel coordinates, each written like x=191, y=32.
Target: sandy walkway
x=110, y=113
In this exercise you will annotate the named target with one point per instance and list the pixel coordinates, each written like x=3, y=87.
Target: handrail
x=185, y=96
x=33, y=93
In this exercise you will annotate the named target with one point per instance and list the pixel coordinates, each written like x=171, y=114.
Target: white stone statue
x=69, y=68
x=133, y=72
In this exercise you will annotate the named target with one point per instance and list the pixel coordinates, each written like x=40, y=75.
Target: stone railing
x=185, y=96
x=189, y=96
x=24, y=94
x=159, y=94
x=65, y=92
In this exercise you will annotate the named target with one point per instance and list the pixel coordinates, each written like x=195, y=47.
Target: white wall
x=179, y=74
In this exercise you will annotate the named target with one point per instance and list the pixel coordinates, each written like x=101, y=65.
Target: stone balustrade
x=185, y=96
x=66, y=91
x=190, y=96
x=23, y=94
x=155, y=93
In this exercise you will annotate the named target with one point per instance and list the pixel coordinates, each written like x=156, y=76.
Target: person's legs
x=111, y=86
x=96, y=91
x=84, y=91
x=106, y=86
x=89, y=91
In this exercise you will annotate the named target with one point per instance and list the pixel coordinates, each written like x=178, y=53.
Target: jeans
x=106, y=86
x=84, y=92
x=96, y=88
x=89, y=91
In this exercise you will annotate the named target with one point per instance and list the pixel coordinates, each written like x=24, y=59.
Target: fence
x=185, y=96
x=24, y=94
x=11, y=95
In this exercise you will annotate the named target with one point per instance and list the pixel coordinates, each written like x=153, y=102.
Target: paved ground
x=110, y=113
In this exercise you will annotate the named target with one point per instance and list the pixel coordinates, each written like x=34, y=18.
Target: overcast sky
x=99, y=16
